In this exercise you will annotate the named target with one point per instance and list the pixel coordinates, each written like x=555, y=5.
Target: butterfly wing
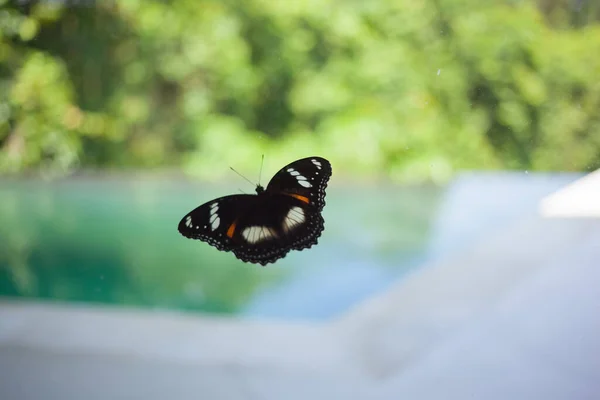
x=275, y=225
x=305, y=179
x=211, y=222
x=256, y=228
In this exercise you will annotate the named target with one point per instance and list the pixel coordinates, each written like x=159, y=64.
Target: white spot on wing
x=302, y=181
x=255, y=234
x=317, y=163
x=293, y=219
x=214, y=224
x=188, y=221
x=214, y=216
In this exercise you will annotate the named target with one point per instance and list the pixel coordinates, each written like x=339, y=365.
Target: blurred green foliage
x=415, y=90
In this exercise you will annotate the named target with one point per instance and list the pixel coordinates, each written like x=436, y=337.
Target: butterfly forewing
x=304, y=179
x=211, y=222
x=263, y=228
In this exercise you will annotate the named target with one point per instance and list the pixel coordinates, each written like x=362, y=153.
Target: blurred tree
x=570, y=13
x=414, y=90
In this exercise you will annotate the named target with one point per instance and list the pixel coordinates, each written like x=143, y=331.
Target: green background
x=411, y=90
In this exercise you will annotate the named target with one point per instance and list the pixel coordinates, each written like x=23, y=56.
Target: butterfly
x=261, y=228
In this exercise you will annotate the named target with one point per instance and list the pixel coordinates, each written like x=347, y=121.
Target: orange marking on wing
x=301, y=198
x=231, y=230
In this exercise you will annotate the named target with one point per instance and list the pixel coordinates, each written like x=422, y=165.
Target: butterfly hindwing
x=273, y=227
x=304, y=179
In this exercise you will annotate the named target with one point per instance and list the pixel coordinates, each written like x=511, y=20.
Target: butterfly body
x=264, y=227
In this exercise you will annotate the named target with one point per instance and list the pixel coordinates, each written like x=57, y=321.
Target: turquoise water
x=114, y=241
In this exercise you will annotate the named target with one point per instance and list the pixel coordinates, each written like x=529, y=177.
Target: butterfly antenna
x=252, y=183
x=262, y=161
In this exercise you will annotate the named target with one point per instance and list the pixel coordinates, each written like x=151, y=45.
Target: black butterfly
x=263, y=228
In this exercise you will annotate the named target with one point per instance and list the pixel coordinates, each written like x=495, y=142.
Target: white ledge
x=580, y=199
